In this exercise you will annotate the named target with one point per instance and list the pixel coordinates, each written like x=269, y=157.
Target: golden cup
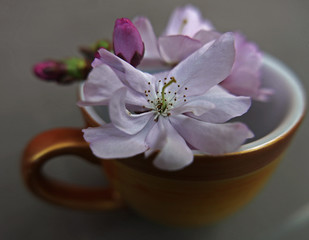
x=208, y=190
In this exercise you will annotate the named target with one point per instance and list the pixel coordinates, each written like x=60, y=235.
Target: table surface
x=35, y=30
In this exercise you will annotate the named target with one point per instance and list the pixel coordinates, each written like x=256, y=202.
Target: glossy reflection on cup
x=208, y=190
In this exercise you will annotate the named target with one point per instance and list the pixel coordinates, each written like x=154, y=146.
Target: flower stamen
x=164, y=105
x=182, y=26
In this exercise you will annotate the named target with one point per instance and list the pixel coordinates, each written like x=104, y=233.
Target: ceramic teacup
x=208, y=190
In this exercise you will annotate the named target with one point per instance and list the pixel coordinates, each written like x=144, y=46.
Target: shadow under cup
x=209, y=189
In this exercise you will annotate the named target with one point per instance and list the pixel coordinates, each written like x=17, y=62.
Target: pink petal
x=245, y=77
x=242, y=83
x=148, y=36
x=226, y=106
x=205, y=68
x=247, y=54
x=206, y=36
x=186, y=21
x=211, y=138
x=108, y=142
x=175, y=48
x=124, y=120
x=264, y=94
x=175, y=153
x=96, y=62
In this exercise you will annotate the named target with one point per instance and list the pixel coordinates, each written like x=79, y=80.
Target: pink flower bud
x=49, y=70
x=63, y=71
x=127, y=42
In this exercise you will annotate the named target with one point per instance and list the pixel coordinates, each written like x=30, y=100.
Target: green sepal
x=101, y=44
x=75, y=67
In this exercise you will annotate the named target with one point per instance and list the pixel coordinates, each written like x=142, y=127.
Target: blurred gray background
x=34, y=30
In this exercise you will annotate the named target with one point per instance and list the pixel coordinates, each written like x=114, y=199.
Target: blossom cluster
x=174, y=94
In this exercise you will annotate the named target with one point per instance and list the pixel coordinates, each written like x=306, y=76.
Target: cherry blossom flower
x=169, y=113
x=186, y=32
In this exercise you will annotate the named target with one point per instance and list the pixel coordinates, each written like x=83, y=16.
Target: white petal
x=226, y=105
x=135, y=98
x=124, y=120
x=102, y=82
x=157, y=135
x=131, y=77
x=160, y=76
x=108, y=142
x=211, y=138
x=153, y=65
x=205, y=68
x=175, y=153
x=196, y=105
x=174, y=49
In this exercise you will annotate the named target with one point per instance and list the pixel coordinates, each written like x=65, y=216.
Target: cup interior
x=267, y=120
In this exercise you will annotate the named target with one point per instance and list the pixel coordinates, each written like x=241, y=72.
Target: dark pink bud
x=49, y=70
x=127, y=42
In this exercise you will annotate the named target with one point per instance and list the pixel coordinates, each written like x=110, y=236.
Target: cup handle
x=57, y=142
